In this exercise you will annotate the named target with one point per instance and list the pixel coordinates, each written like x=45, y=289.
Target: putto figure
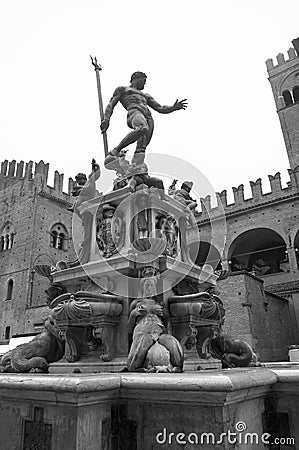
x=139, y=117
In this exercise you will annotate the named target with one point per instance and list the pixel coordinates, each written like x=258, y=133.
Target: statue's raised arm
x=182, y=104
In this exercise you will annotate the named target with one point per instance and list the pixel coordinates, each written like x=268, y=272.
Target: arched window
x=9, y=289
x=288, y=100
x=296, y=93
x=7, y=237
x=59, y=236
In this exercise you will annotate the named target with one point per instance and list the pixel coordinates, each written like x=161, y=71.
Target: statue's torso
x=149, y=324
x=134, y=99
x=148, y=321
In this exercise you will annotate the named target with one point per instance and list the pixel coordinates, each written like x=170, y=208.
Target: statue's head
x=213, y=290
x=149, y=286
x=149, y=281
x=53, y=291
x=81, y=179
x=142, y=201
x=108, y=211
x=138, y=80
x=187, y=186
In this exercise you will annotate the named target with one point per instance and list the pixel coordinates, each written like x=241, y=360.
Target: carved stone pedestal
x=87, y=322
x=126, y=235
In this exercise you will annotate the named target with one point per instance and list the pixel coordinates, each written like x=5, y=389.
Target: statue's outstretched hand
x=182, y=104
x=104, y=125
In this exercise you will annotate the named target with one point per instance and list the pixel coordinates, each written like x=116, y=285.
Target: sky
x=211, y=52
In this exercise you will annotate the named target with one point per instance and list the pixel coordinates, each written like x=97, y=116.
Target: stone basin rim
x=209, y=381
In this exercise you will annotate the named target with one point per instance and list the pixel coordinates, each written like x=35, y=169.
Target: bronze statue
x=139, y=117
x=109, y=232
x=183, y=195
x=152, y=349
x=45, y=348
x=233, y=352
x=85, y=188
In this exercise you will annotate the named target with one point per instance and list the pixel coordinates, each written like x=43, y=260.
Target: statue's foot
x=177, y=370
x=72, y=358
x=37, y=370
x=162, y=369
x=111, y=160
x=141, y=370
x=8, y=369
x=114, y=152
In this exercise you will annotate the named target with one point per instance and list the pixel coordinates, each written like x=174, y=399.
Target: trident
x=98, y=68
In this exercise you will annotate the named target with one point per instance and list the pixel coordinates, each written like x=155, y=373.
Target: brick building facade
x=35, y=228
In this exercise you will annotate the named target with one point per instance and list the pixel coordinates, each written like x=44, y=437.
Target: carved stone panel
x=37, y=435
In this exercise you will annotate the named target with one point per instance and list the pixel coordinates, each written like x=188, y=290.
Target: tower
x=35, y=228
x=284, y=79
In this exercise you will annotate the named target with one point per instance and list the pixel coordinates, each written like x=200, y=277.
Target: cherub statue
x=183, y=195
x=85, y=188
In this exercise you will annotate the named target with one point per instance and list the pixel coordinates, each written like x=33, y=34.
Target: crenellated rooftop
x=13, y=172
x=284, y=60
x=258, y=199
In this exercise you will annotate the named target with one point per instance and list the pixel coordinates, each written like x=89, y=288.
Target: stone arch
x=288, y=82
x=261, y=250
x=58, y=236
x=204, y=252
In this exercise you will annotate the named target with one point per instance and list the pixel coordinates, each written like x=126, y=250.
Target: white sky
x=211, y=52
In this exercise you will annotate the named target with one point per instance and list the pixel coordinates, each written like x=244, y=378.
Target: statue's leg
x=138, y=122
x=174, y=348
x=138, y=351
x=143, y=142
